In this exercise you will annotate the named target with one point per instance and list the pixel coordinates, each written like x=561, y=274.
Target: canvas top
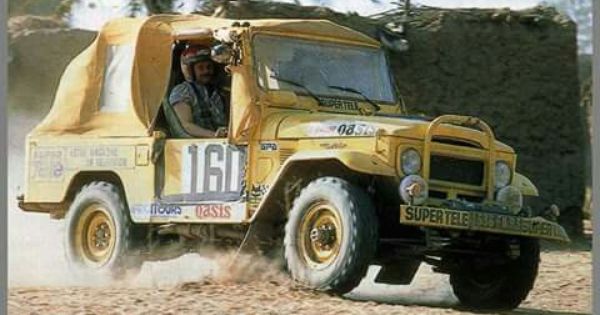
x=116, y=85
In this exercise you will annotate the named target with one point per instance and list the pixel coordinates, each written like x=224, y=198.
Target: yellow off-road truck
x=321, y=162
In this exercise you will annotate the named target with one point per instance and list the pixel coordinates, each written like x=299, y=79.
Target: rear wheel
x=497, y=286
x=99, y=232
x=330, y=236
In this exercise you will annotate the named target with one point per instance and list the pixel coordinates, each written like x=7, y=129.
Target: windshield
x=319, y=66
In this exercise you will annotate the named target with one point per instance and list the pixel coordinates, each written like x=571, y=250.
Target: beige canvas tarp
x=115, y=86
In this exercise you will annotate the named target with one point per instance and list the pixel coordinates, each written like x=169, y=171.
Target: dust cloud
x=34, y=241
x=427, y=289
x=36, y=254
x=35, y=249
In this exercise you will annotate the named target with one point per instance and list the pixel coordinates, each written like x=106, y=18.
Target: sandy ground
x=563, y=287
x=40, y=283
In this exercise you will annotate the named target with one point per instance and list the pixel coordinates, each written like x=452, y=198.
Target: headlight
x=503, y=174
x=410, y=161
x=511, y=197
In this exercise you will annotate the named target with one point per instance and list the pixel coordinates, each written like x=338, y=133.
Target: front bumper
x=537, y=227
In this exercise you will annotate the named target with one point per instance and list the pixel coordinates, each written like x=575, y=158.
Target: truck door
x=203, y=182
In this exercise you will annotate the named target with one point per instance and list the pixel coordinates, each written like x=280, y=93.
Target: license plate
x=480, y=221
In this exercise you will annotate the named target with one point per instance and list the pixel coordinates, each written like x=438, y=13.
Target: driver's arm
x=184, y=113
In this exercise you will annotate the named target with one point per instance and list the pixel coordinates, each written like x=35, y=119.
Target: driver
x=196, y=102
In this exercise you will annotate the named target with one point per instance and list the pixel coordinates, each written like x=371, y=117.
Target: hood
x=306, y=125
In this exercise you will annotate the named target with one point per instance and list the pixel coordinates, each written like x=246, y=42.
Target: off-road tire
x=510, y=285
x=121, y=260
x=358, y=242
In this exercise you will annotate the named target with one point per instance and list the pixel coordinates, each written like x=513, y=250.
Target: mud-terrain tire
x=500, y=287
x=335, y=264
x=98, y=238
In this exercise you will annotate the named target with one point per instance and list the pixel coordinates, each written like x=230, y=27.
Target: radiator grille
x=456, y=170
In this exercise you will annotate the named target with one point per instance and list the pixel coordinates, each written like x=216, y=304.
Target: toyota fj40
x=321, y=161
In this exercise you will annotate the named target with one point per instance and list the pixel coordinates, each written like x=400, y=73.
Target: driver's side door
x=203, y=181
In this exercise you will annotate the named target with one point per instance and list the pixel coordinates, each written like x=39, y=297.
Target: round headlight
x=511, y=197
x=410, y=161
x=503, y=174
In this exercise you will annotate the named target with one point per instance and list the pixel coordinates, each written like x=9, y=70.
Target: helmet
x=191, y=55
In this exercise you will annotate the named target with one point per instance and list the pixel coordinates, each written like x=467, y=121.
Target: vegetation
x=581, y=12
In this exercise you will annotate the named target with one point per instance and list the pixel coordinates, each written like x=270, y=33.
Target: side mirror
x=221, y=53
x=391, y=36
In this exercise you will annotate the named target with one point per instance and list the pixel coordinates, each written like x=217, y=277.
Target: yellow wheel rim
x=95, y=235
x=320, y=235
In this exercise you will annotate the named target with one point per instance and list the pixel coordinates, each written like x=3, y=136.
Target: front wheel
x=496, y=286
x=330, y=236
x=99, y=233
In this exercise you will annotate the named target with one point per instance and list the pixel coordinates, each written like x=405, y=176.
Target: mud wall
x=515, y=69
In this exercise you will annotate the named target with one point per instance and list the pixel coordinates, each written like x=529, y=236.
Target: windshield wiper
x=352, y=90
x=294, y=83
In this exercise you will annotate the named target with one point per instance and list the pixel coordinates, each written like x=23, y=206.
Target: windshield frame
x=330, y=42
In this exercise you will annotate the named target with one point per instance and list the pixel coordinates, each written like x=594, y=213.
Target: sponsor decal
x=324, y=129
x=268, y=146
x=58, y=170
x=355, y=129
x=164, y=210
x=140, y=212
x=213, y=171
x=338, y=103
x=437, y=216
x=101, y=156
x=480, y=221
x=255, y=194
x=156, y=210
x=333, y=146
x=46, y=163
x=340, y=128
x=47, y=153
x=213, y=211
x=49, y=163
x=258, y=191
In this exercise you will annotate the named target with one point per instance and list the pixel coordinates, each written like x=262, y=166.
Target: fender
x=525, y=185
x=354, y=160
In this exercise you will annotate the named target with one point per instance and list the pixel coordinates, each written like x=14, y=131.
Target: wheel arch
x=354, y=166
x=293, y=176
x=83, y=178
